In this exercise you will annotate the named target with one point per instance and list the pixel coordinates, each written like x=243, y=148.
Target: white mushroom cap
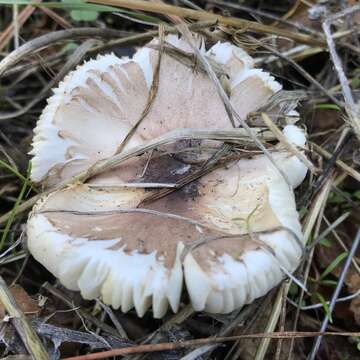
x=106, y=242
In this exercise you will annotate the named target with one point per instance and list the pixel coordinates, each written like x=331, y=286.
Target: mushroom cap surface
x=95, y=106
x=229, y=236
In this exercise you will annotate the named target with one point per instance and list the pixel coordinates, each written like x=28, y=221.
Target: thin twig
x=151, y=96
x=335, y=295
x=264, y=14
x=343, y=166
x=297, y=67
x=43, y=41
x=321, y=305
x=211, y=340
x=69, y=303
x=57, y=18
x=73, y=60
x=125, y=211
x=351, y=108
x=6, y=35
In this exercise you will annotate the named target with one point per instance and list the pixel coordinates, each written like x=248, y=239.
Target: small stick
x=81, y=313
x=335, y=295
x=343, y=166
x=211, y=340
x=73, y=60
x=16, y=25
x=298, y=68
x=59, y=19
x=49, y=39
x=29, y=337
x=152, y=94
x=351, y=107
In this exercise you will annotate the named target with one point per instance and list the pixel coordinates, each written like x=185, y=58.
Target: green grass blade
x=14, y=171
x=13, y=211
x=327, y=107
x=325, y=306
x=333, y=265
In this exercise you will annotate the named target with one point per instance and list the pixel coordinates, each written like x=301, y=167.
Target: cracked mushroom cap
x=228, y=237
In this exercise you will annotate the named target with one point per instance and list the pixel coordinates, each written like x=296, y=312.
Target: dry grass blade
x=296, y=66
x=224, y=97
x=165, y=9
x=30, y=339
x=236, y=136
x=343, y=166
x=152, y=93
x=291, y=148
x=311, y=220
x=351, y=108
x=21, y=19
x=73, y=60
x=39, y=43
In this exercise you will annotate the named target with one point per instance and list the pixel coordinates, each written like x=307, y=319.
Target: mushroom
x=230, y=235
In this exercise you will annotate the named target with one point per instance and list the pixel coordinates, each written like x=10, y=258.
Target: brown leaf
x=25, y=302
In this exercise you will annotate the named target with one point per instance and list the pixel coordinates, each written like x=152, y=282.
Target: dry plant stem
x=336, y=294
x=149, y=35
x=175, y=319
x=273, y=320
x=49, y=39
x=330, y=229
x=16, y=25
x=232, y=136
x=43, y=41
x=165, y=9
x=282, y=324
x=317, y=209
x=30, y=339
x=310, y=223
x=126, y=211
x=320, y=305
x=114, y=319
x=68, y=302
x=291, y=148
x=327, y=168
x=213, y=340
x=73, y=60
x=240, y=319
x=265, y=15
x=152, y=93
x=297, y=67
x=224, y=97
x=341, y=243
x=236, y=136
x=57, y=18
x=343, y=166
x=351, y=108
x=21, y=19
